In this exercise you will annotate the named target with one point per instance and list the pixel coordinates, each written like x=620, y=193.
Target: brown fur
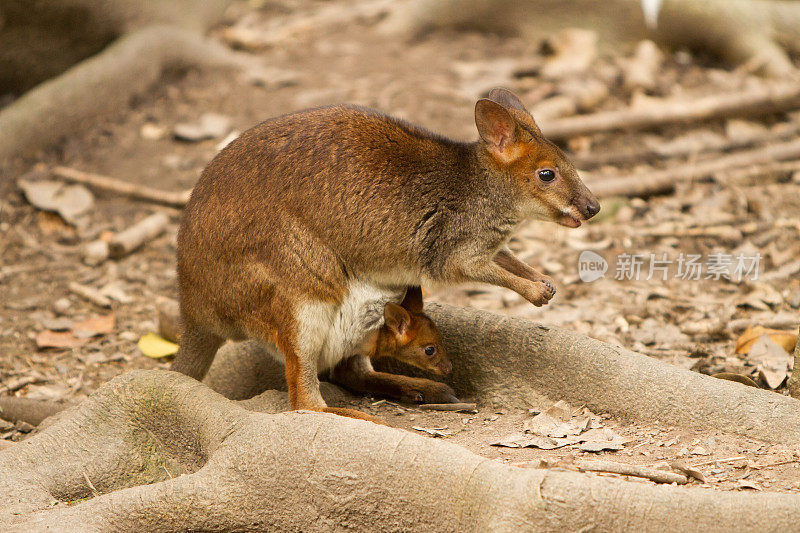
x=301, y=205
x=406, y=333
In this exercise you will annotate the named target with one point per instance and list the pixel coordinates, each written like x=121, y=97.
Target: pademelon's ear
x=413, y=300
x=509, y=100
x=397, y=319
x=497, y=127
x=506, y=98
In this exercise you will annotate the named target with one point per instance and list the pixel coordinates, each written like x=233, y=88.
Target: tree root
x=756, y=33
x=98, y=86
x=513, y=362
x=166, y=453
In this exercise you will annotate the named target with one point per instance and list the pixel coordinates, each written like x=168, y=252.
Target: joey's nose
x=590, y=208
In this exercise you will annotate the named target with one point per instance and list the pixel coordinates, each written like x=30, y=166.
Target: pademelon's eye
x=547, y=175
x=430, y=350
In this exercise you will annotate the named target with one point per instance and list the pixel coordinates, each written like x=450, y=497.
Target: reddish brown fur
x=406, y=343
x=296, y=208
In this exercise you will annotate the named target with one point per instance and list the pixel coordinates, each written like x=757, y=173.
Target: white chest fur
x=332, y=332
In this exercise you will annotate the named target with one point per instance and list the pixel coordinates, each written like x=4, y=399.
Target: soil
x=432, y=81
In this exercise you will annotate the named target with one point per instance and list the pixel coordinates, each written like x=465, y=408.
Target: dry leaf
x=520, y=440
x=747, y=485
x=94, y=326
x=69, y=201
x=156, y=347
x=772, y=361
x=436, y=432
x=58, y=339
x=784, y=339
x=596, y=440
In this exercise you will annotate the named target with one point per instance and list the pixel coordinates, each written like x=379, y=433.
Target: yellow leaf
x=784, y=339
x=154, y=346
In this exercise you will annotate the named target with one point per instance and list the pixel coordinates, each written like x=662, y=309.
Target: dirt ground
x=432, y=81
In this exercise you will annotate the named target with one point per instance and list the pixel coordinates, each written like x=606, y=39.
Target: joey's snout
x=445, y=367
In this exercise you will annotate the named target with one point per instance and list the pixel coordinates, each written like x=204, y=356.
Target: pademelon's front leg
x=508, y=261
x=538, y=292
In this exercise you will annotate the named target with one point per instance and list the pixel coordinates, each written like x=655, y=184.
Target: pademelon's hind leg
x=197, y=350
x=301, y=346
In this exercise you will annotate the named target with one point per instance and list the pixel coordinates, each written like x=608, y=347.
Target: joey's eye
x=430, y=350
x=547, y=175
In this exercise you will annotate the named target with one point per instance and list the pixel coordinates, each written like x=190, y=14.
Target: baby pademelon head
x=543, y=179
x=418, y=341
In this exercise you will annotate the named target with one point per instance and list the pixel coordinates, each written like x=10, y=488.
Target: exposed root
x=166, y=453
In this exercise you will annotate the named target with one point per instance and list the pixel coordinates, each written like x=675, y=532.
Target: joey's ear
x=506, y=98
x=396, y=318
x=496, y=126
x=413, y=300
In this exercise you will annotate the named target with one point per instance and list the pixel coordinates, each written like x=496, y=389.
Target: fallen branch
x=135, y=236
x=89, y=294
x=757, y=102
x=664, y=181
x=132, y=190
x=647, y=153
x=653, y=474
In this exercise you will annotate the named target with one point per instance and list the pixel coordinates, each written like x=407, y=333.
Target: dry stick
x=140, y=192
x=782, y=132
x=664, y=181
x=448, y=406
x=135, y=236
x=89, y=293
x=653, y=474
x=778, y=167
x=756, y=102
x=727, y=460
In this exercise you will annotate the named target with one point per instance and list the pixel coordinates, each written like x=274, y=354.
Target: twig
x=140, y=192
x=90, y=294
x=653, y=474
x=664, y=181
x=135, y=236
x=16, y=384
x=91, y=487
x=448, y=406
x=756, y=102
x=728, y=460
x=779, y=463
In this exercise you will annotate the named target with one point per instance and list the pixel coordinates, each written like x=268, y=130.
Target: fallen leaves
x=560, y=426
x=156, y=347
x=784, y=339
x=769, y=350
x=67, y=334
x=69, y=201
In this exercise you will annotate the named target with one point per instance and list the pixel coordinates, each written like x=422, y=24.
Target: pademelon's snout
x=588, y=206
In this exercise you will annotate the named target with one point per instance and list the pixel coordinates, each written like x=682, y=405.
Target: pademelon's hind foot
x=352, y=413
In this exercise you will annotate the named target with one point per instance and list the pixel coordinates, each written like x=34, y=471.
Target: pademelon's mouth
x=569, y=220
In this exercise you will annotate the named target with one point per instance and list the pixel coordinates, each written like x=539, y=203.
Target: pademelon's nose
x=591, y=209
